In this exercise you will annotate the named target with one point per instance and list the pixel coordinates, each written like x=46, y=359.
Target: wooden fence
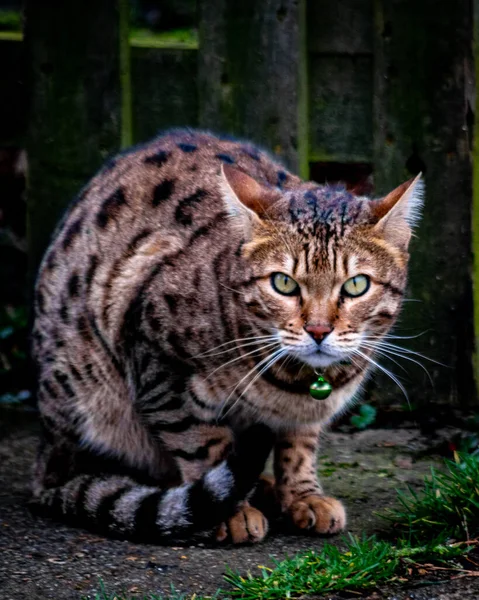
x=376, y=82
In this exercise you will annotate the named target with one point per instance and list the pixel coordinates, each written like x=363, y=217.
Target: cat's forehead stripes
x=329, y=207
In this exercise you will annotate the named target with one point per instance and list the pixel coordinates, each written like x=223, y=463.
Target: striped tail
x=119, y=506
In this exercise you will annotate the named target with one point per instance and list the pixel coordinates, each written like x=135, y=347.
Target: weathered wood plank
x=340, y=108
x=214, y=89
x=475, y=202
x=423, y=120
x=344, y=27
x=164, y=85
x=13, y=98
x=73, y=54
x=252, y=73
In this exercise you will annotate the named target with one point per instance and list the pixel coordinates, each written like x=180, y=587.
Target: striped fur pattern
x=162, y=346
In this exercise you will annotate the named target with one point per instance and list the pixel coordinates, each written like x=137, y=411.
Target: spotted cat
x=191, y=294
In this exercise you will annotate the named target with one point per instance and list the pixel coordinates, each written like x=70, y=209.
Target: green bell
x=320, y=389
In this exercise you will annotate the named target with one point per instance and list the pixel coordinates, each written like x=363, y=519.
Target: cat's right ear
x=399, y=212
x=246, y=199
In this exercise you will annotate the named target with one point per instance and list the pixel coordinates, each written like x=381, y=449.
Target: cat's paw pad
x=319, y=514
x=248, y=525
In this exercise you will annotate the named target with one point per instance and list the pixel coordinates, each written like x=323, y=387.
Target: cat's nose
x=318, y=332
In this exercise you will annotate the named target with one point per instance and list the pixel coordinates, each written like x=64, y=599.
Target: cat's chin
x=320, y=360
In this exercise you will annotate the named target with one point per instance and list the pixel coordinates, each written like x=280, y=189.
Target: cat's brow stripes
x=306, y=247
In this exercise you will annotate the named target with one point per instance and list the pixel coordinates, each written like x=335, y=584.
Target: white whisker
x=267, y=346
x=389, y=336
x=394, y=347
x=281, y=352
x=271, y=338
x=232, y=289
x=383, y=353
x=253, y=337
x=257, y=366
x=385, y=371
x=387, y=352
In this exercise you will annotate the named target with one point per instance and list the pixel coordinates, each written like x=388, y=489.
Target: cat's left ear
x=399, y=212
x=246, y=199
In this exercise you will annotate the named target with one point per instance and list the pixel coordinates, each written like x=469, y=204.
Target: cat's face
x=329, y=269
x=324, y=305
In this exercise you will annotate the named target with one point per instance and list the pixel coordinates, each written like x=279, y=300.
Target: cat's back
x=153, y=199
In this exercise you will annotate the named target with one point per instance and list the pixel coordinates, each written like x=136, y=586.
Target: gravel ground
x=40, y=559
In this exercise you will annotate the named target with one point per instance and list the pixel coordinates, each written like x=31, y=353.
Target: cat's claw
x=319, y=514
x=247, y=526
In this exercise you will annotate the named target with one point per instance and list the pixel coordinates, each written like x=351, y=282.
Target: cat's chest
x=267, y=403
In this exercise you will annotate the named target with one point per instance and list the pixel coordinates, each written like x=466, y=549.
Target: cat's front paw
x=319, y=514
x=248, y=525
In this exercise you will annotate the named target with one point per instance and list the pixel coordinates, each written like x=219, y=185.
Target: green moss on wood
x=175, y=39
x=11, y=36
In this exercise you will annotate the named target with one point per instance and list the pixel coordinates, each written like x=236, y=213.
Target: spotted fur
x=162, y=347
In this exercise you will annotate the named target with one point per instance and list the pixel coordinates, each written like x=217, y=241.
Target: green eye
x=356, y=286
x=284, y=284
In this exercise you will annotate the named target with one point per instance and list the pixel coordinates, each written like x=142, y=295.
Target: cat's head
x=329, y=268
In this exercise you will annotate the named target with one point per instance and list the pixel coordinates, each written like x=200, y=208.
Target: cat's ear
x=399, y=212
x=245, y=197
